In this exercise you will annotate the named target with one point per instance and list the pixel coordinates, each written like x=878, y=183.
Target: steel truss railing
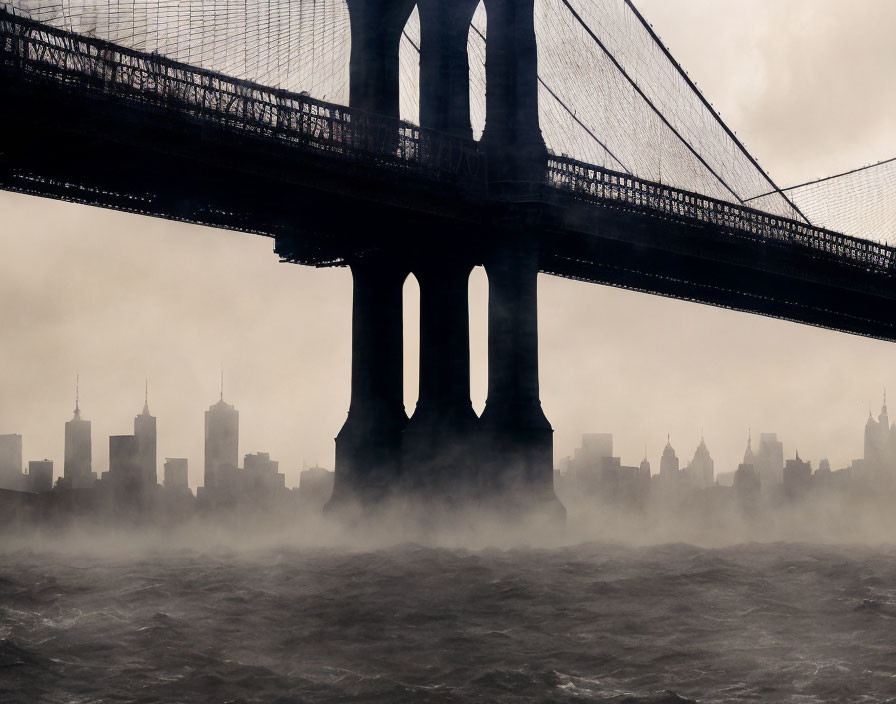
x=43, y=52
x=46, y=53
x=593, y=183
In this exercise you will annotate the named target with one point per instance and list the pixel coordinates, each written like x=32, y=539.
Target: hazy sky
x=809, y=85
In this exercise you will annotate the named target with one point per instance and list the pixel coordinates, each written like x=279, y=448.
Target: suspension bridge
x=360, y=133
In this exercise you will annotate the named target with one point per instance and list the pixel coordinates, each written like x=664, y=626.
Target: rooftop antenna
x=146, y=392
x=222, y=382
x=77, y=394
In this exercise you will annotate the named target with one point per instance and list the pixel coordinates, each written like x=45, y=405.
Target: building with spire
x=145, y=434
x=669, y=465
x=747, y=483
x=77, y=471
x=701, y=470
x=880, y=447
x=222, y=431
x=644, y=468
x=797, y=477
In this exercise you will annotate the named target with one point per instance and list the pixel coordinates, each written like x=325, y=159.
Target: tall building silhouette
x=644, y=468
x=176, y=474
x=880, y=446
x=124, y=464
x=701, y=470
x=222, y=431
x=11, y=476
x=145, y=433
x=797, y=477
x=770, y=460
x=76, y=470
x=40, y=475
x=747, y=484
x=669, y=464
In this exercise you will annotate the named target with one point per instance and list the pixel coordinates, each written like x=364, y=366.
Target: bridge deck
x=92, y=122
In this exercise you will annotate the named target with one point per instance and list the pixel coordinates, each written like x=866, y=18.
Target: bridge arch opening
x=409, y=69
x=476, y=56
x=477, y=290
x=410, y=298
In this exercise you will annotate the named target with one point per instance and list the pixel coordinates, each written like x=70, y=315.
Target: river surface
x=594, y=622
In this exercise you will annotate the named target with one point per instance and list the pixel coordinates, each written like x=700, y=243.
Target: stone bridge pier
x=444, y=452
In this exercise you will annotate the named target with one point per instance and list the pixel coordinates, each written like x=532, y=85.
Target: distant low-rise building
x=40, y=476
x=176, y=474
x=262, y=473
x=315, y=486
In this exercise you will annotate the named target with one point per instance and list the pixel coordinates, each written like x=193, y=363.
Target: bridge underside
x=324, y=210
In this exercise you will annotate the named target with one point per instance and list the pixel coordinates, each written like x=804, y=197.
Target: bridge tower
x=444, y=449
x=368, y=447
x=517, y=439
x=438, y=445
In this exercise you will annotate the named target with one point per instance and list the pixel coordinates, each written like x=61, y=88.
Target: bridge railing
x=48, y=53
x=594, y=183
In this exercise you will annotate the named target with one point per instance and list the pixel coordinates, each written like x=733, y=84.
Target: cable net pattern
x=861, y=203
x=297, y=45
x=617, y=80
x=610, y=94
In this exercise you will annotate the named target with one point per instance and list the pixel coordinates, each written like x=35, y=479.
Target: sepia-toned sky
x=809, y=86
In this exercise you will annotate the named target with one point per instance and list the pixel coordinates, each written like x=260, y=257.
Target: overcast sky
x=809, y=85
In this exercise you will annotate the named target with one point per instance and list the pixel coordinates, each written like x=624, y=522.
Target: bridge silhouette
x=92, y=121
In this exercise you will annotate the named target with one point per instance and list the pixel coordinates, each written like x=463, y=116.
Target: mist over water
x=795, y=603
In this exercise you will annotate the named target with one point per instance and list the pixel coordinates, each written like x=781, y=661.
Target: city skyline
x=222, y=440
x=181, y=300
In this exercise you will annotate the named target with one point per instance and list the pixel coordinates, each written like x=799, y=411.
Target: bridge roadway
x=87, y=121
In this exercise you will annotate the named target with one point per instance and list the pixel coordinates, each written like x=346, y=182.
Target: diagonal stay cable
x=647, y=100
x=555, y=97
x=822, y=180
x=570, y=112
x=709, y=107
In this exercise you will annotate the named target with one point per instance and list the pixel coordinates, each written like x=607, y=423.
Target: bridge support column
x=368, y=448
x=445, y=65
x=376, y=27
x=512, y=137
x=437, y=451
x=517, y=439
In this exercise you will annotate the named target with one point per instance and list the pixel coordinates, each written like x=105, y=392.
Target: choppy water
x=765, y=623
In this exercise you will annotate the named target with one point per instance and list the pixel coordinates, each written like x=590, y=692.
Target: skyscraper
x=222, y=431
x=40, y=475
x=880, y=446
x=669, y=461
x=770, y=460
x=797, y=477
x=644, y=468
x=701, y=470
x=145, y=432
x=125, y=473
x=747, y=484
x=176, y=474
x=11, y=476
x=77, y=467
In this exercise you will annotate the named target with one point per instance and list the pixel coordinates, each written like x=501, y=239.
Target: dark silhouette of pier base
x=368, y=448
